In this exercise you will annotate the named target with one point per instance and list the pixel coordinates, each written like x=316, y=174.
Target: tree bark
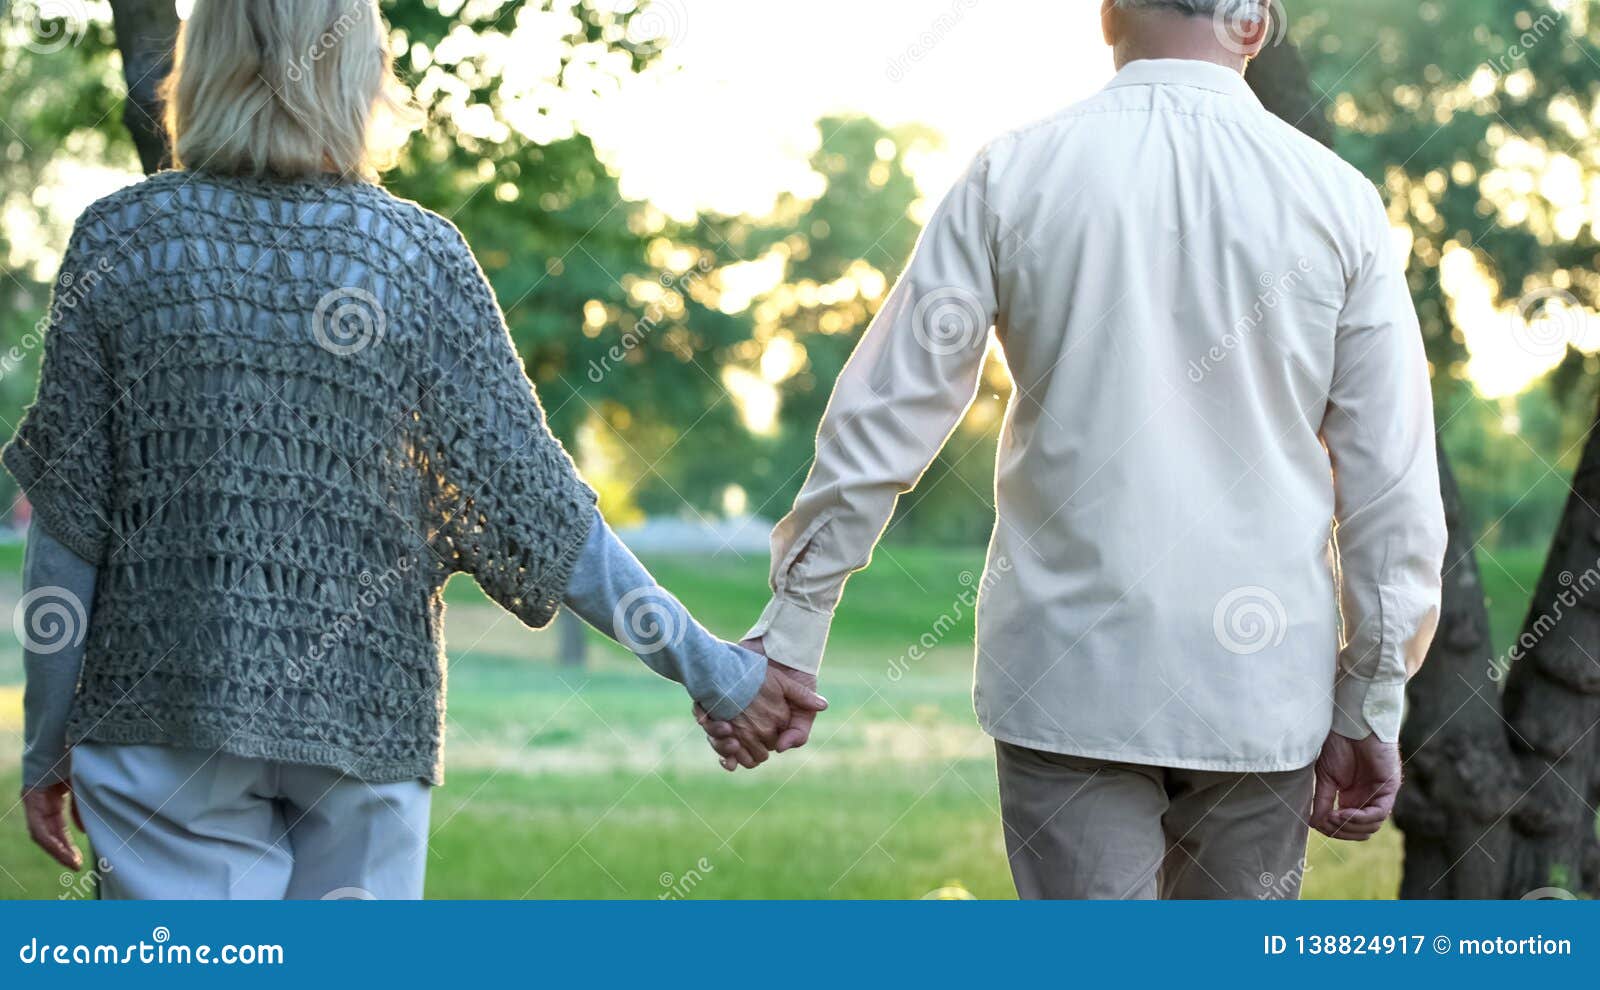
x=146, y=31
x=1282, y=82
x=1552, y=704
x=1457, y=790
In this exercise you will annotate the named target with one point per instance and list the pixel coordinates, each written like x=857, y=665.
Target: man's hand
x=780, y=718
x=1362, y=777
x=46, y=808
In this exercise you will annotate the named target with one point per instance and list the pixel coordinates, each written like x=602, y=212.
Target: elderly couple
x=258, y=524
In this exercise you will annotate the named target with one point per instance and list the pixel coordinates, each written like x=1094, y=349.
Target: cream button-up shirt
x=1219, y=525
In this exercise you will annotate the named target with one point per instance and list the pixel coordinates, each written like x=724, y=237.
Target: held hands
x=778, y=720
x=1364, y=777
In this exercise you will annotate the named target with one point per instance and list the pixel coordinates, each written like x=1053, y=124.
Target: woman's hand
x=779, y=719
x=47, y=808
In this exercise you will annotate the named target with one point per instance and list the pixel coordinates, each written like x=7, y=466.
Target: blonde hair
x=288, y=88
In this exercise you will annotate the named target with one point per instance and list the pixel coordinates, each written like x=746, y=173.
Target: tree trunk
x=1281, y=81
x=1552, y=705
x=574, y=644
x=1454, y=804
x=1459, y=769
x=146, y=32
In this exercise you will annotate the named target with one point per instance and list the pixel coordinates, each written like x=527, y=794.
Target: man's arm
x=1379, y=432
x=899, y=397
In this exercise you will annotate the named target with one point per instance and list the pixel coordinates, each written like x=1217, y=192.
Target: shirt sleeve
x=62, y=454
x=508, y=504
x=897, y=400
x=1389, y=513
x=58, y=594
x=613, y=592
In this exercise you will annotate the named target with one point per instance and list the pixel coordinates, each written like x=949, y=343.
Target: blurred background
x=690, y=210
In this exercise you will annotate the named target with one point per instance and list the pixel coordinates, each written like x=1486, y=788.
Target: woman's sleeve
x=506, y=500
x=58, y=594
x=613, y=592
x=62, y=455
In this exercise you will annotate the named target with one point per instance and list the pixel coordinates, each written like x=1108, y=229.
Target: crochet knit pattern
x=279, y=415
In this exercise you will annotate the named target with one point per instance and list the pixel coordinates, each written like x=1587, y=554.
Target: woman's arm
x=62, y=458
x=58, y=592
x=613, y=592
x=506, y=505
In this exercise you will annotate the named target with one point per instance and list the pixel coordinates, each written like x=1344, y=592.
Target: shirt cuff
x=1362, y=708
x=792, y=634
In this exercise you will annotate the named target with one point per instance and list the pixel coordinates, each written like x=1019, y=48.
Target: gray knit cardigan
x=279, y=415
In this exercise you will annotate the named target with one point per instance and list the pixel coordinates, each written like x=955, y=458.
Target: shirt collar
x=1183, y=72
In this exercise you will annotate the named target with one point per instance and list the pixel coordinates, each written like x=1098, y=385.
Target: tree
x=1457, y=761
x=1552, y=705
x=146, y=30
x=1500, y=795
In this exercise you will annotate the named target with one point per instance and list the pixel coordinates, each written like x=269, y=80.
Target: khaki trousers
x=1080, y=828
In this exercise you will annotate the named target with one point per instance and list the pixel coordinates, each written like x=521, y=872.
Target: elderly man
x=1219, y=529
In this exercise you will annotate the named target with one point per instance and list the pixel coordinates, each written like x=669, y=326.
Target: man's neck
x=1170, y=34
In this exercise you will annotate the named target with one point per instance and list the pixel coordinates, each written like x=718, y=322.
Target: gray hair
x=1198, y=7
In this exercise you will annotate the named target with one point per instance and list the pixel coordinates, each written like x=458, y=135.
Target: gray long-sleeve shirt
x=610, y=590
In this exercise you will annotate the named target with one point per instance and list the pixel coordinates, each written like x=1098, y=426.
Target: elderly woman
x=279, y=408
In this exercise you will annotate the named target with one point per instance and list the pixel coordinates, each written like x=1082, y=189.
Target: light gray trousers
x=180, y=824
x=1080, y=829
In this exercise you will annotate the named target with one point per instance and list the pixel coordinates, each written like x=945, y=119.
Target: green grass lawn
x=597, y=783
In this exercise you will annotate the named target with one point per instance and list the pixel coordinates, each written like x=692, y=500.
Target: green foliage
x=618, y=312
x=1427, y=95
x=854, y=238
x=1514, y=460
x=552, y=230
x=53, y=107
x=527, y=189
